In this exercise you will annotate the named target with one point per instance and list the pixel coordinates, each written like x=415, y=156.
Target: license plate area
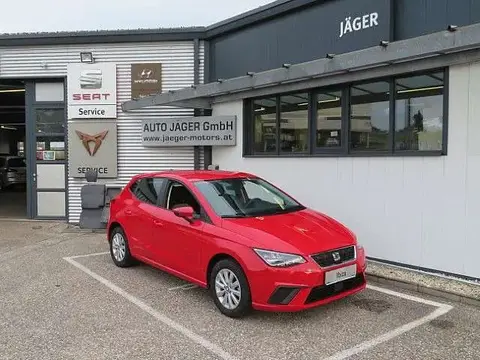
x=340, y=274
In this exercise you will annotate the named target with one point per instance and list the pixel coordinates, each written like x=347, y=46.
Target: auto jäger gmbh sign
x=191, y=131
x=92, y=91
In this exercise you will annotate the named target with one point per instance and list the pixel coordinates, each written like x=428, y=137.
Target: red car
x=248, y=242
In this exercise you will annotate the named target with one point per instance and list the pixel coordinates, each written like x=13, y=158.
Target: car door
x=181, y=241
x=140, y=216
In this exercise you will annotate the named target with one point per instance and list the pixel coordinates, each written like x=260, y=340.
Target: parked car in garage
x=12, y=171
x=250, y=243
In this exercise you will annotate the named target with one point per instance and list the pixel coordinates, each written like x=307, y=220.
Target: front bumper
x=303, y=286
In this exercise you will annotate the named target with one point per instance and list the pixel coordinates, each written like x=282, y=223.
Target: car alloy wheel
x=229, y=288
x=119, y=249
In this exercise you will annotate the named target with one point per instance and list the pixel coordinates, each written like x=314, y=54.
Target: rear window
x=16, y=162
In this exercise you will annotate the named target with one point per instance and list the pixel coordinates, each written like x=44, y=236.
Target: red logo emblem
x=97, y=139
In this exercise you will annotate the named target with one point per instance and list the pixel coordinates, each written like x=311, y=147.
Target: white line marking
x=215, y=349
x=442, y=309
x=184, y=287
x=405, y=296
x=87, y=255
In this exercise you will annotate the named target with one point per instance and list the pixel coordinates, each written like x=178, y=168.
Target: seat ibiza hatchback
x=251, y=244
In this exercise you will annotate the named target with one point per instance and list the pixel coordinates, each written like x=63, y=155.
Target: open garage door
x=13, y=166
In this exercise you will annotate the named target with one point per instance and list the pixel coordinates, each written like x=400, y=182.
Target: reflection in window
x=369, y=117
x=265, y=119
x=294, y=123
x=419, y=113
x=50, y=121
x=50, y=148
x=329, y=119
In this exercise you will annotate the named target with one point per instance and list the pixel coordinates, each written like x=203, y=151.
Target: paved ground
x=86, y=308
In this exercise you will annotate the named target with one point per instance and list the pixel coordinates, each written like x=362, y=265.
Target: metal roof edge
x=101, y=36
x=260, y=14
x=235, y=23
x=431, y=45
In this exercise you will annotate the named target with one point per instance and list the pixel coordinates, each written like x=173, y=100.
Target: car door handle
x=128, y=212
x=158, y=223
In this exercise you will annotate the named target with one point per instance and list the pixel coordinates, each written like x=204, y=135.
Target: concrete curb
x=442, y=287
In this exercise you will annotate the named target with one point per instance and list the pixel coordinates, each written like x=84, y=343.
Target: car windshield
x=16, y=162
x=242, y=197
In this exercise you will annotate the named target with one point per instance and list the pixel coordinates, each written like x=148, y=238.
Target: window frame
x=159, y=195
x=344, y=150
x=162, y=203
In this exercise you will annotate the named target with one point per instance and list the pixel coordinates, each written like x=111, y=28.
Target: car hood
x=305, y=231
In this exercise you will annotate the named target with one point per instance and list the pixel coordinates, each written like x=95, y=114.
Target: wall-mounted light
x=8, y=91
x=87, y=57
x=384, y=43
x=250, y=73
x=3, y=127
x=452, y=28
x=330, y=56
x=286, y=66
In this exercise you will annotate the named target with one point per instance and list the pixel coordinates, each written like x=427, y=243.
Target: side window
x=2, y=162
x=178, y=195
x=148, y=189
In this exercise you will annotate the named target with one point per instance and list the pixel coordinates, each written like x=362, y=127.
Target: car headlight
x=278, y=259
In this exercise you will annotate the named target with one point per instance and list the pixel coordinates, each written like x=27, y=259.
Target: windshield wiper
x=234, y=216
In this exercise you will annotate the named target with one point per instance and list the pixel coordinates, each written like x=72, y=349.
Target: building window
x=265, y=124
x=419, y=113
x=329, y=130
x=369, y=116
x=50, y=121
x=402, y=115
x=294, y=123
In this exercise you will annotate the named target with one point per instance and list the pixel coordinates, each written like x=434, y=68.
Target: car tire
x=119, y=248
x=234, y=282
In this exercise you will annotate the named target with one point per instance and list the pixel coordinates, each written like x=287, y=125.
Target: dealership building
x=365, y=110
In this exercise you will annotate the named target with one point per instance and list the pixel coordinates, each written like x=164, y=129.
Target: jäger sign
x=192, y=131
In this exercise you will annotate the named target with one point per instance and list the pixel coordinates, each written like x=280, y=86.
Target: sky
x=71, y=15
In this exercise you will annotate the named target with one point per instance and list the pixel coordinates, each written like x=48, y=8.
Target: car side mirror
x=185, y=212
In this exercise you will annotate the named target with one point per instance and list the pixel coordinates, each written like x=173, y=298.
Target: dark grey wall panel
x=300, y=36
x=419, y=17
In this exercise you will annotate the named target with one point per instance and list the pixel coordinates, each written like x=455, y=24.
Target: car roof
x=200, y=175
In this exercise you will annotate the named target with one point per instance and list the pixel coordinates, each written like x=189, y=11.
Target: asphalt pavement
x=63, y=298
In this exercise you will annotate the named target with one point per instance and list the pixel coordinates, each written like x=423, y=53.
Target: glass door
x=47, y=153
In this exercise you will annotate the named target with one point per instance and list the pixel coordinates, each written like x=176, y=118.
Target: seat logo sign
x=336, y=256
x=91, y=79
x=96, y=139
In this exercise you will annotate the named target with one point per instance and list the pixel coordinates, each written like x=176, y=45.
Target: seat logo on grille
x=336, y=256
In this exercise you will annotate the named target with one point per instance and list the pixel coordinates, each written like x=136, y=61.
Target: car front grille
x=335, y=257
x=325, y=291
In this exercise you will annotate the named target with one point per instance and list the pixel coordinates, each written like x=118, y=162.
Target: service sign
x=191, y=131
x=92, y=91
x=92, y=145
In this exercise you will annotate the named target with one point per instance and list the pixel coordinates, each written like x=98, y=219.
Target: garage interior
x=13, y=198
